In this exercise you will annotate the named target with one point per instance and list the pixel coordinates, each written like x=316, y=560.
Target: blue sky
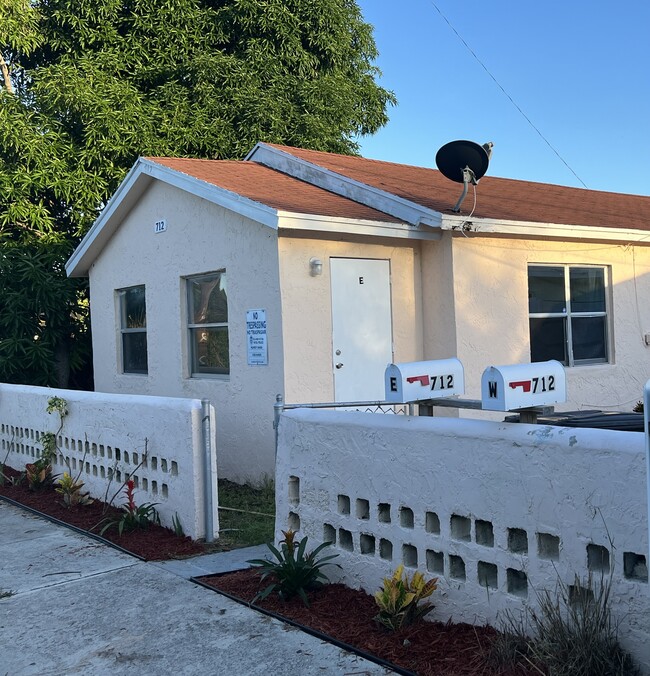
x=579, y=69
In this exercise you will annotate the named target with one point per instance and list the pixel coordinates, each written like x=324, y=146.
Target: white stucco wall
x=106, y=435
x=307, y=308
x=489, y=297
x=200, y=237
x=476, y=503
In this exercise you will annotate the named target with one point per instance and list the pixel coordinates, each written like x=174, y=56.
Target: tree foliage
x=90, y=85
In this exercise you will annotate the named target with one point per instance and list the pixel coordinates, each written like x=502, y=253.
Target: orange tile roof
x=273, y=188
x=497, y=198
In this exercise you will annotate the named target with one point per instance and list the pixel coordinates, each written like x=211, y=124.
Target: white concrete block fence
x=106, y=435
x=497, y=511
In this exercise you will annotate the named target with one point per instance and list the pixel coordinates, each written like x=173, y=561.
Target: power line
x=498, y=84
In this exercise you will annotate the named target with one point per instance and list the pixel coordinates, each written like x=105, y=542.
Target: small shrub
x=70, y=490
x=572, y=634
x=399, y=599
x=38, y=474
x=575, y=634
x=294, y=572
x=133, y=516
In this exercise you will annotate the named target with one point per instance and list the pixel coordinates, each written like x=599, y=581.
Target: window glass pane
x=210, y=350
x=589, y=338
x=134, y=351
x=546, y=289
x=587, y=289
x=209, y=300
x=134, y=311
x=548, y=339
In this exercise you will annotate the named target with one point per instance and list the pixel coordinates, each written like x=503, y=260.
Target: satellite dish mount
x=463, y=162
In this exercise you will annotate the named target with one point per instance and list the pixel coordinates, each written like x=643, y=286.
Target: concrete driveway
x=81, y=607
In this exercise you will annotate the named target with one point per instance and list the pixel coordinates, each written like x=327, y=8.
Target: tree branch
x=5, y=74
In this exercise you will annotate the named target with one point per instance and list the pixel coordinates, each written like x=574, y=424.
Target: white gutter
x=553, y=230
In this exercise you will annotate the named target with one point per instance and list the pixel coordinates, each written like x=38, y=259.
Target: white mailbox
x=507, y=388
x=420, y=380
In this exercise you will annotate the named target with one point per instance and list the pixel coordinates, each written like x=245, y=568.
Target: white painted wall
x=307, y=313
x=491, y=305
x=200, y=237
x=106, y=435
x=340, y=474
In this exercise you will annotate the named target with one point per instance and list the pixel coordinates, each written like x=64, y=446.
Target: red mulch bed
x=425, y=648
x=154, y=544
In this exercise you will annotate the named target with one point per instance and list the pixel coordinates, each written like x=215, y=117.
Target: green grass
x=254, y=523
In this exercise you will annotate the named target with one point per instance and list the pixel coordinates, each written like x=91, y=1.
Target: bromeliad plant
x=293, y=572
x=399, y=599
x=134, y=516
x=39, y=474
x=70, y=489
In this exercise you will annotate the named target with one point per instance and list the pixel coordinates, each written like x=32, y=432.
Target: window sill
x=582, y=368
x=209, y=376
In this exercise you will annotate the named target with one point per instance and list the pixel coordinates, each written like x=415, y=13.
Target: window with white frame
x=567, y=307
x=133, y=329
x=208, y=324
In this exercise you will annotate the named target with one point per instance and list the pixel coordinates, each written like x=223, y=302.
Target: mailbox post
x=423, y=380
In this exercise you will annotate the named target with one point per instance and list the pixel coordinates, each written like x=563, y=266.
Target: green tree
x=90, y=85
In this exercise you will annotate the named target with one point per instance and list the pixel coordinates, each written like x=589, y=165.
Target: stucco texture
x=499, y=512
x=200, y=238
x=490, y=298
x=307, y=313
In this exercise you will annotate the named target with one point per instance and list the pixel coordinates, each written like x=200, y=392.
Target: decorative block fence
x=104, y=436
x=497, y=511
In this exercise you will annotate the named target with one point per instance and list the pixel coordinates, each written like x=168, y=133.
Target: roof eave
x=362, y=193
x=138, y=179
x=561, y=231
x=292, y=221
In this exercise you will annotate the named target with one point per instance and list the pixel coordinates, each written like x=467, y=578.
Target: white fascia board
x=405, y=210
x=213, y=193
x=120, y=203
x=353, y=226
x=546, y=230
x=131, y=189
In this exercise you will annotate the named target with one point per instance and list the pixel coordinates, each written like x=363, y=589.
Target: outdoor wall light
x=315, y=267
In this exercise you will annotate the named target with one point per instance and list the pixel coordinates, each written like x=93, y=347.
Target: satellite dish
x=463, y=162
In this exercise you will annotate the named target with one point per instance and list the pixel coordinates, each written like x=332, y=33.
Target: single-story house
x=304, y=273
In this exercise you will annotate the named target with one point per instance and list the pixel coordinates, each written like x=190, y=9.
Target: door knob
x=339, y=365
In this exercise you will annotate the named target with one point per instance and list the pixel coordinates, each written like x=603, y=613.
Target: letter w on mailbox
x=423, y=380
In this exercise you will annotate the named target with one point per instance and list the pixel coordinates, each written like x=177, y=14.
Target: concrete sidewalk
x=81, y=607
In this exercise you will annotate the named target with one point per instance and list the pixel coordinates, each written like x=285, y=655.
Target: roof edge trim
x=405, y=210
x=555, y=230
x=140, y=176
x=290, y=220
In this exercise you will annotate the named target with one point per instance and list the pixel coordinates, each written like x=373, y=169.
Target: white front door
x=361, y=328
